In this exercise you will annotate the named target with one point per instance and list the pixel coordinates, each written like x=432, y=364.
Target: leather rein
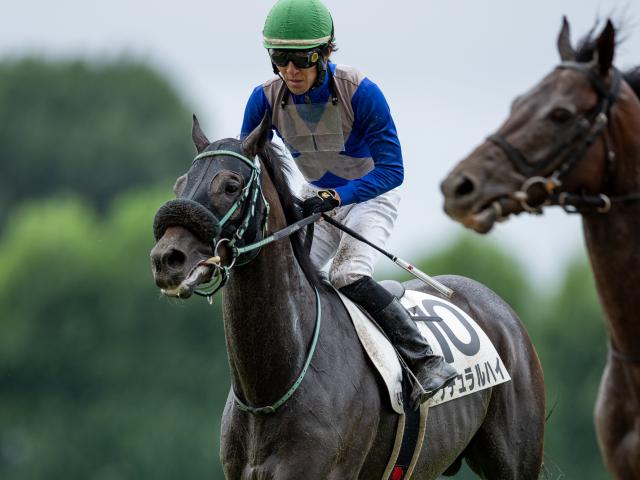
x=579, y=139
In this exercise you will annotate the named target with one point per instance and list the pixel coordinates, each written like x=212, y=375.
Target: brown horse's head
x=555, y=142
x=219, y=205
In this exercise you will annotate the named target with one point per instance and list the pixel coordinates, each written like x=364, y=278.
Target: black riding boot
x=431, y=370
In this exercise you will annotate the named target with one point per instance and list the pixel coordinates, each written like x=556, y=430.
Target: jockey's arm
x=372, y=119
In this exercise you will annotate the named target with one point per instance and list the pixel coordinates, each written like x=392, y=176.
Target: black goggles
x=300, y=58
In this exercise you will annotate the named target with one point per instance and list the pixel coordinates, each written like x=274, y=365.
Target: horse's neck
x=269, y=316
x=613, y=239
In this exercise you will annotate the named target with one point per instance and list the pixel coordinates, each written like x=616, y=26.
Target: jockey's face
x=299, y=80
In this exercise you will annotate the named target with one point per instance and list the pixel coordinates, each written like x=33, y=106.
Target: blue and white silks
x=368, y=160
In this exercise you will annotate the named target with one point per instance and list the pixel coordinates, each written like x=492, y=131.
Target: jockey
x=337, y=125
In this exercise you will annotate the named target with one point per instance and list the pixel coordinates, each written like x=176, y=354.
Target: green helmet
x=297, y=25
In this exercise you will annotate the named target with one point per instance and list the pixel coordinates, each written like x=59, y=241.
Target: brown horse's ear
x=567, y=53
x=606, y=46
x=256, y=140
x=199, y=138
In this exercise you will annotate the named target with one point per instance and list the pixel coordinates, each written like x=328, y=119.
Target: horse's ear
x=606, y=47
x=256, y=140
x=178, y=187
x=199, y=138
x=567, y=53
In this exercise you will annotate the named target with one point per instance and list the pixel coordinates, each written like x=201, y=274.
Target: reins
x=223, y=270
x=248, y=252
x=276, y=405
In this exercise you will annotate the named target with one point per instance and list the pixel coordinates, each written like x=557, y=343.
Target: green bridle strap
x=230, y=153
x=255, y=173
x=217, y=284
x=272, y=408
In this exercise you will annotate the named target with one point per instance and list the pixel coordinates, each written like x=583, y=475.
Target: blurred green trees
x=572, y=343
x=91, y=129
x=100, y=377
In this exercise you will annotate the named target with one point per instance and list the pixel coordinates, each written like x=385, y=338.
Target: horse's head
x=554, y=142
x=219, y=208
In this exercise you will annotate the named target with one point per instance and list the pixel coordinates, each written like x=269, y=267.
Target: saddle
x=452, y=333
x=449, y=330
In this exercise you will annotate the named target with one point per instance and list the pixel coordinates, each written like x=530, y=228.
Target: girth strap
x=623, y=357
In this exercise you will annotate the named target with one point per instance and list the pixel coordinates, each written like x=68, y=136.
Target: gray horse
x=339, y=423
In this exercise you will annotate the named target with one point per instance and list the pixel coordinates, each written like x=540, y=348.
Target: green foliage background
x=100, y=377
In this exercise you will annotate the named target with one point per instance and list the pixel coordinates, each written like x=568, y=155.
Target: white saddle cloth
x=457, y=337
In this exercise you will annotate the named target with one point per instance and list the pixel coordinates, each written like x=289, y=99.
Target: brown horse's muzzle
x=479, y=191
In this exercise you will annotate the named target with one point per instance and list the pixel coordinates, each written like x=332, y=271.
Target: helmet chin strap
x=321, y=68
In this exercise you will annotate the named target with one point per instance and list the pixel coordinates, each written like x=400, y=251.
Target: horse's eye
x=231, y=188
x=561, y=115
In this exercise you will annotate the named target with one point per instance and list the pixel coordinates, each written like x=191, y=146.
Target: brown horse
x=338, y=424
x=574, y=141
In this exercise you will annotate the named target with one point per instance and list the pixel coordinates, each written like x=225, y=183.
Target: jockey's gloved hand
x=324, y=201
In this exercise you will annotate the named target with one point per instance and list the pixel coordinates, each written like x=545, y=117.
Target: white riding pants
x=352, y=259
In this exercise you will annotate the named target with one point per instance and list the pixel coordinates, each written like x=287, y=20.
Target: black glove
x=324, y=201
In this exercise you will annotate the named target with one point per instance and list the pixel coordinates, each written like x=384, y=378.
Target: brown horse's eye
x=561, y=115
x=231, y=187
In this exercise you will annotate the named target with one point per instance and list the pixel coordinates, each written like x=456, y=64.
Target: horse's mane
x=585, y=52
x=274, y=161
x=587, y=46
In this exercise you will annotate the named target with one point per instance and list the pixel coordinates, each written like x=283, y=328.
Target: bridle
x=578, y=139
x=582, y=136
x=256, y=213
x=243, y=236
x=254, y=210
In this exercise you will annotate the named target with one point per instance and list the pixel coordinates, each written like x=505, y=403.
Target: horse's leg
x=509, y=444
x=617, y=416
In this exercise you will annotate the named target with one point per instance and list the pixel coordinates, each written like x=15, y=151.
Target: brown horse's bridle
x=579, y=139
x=582, y=136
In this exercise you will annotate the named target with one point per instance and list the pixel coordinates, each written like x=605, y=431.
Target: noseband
x=579, y=139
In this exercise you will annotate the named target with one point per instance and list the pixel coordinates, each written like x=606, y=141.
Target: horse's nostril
x=155, y=263
x=464, y=187
x=174, y=258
